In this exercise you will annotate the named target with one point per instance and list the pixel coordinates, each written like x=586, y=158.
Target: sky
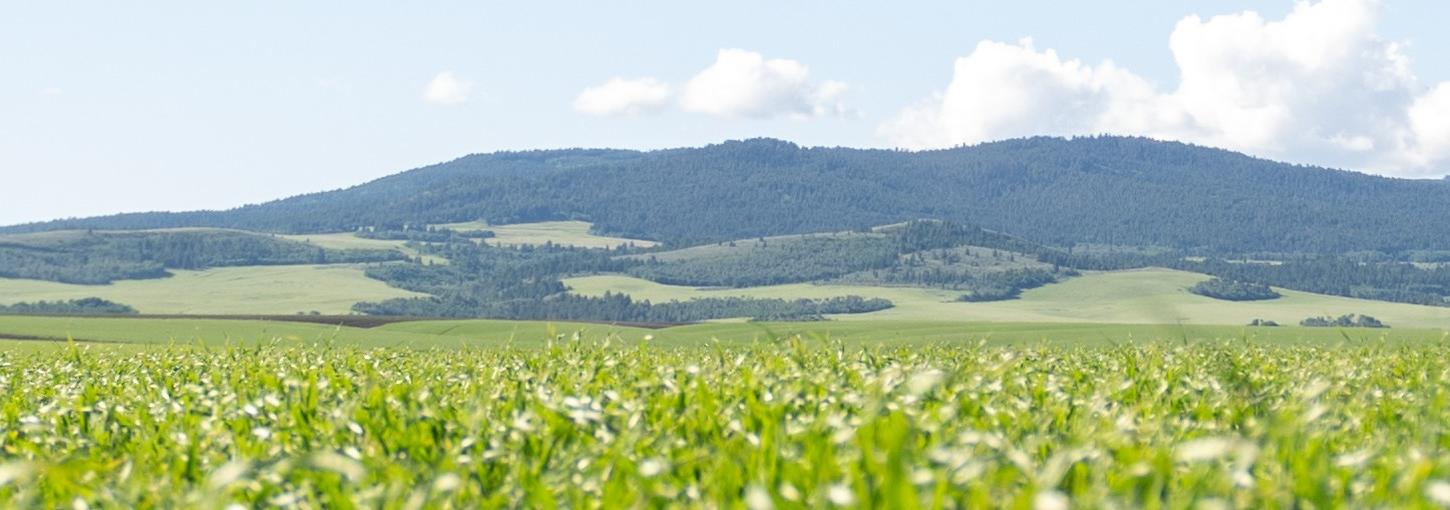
x=112, y=107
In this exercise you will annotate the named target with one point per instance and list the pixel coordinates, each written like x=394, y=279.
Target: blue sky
x=106, y=107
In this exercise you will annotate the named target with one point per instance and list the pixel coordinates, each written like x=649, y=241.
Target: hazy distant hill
x=1126, y=191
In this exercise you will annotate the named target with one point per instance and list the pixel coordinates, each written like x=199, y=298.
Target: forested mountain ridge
x=1107, y=190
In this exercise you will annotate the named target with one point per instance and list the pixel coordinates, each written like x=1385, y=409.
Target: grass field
x=567, y=233
x=841, y=414
x=329, y=289
x=791, y=425
x=1149, y=296
x=216, y=332
x=497, y=333
x=348, y=241
x=742, y=246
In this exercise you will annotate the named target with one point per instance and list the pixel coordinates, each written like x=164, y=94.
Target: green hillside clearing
x=1148, y=296
x=329, y=289
x=566, y=233
x=348, y=241
x=744, y=247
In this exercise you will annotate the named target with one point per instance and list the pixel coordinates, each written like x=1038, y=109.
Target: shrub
x=1233, y=290
x=1344, y=321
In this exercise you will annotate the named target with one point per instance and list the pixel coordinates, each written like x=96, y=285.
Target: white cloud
x=624, y=97
x=745, y=84
x=1317, y=87
x=1430, y=124
x=447, y=89
x=1004, y=90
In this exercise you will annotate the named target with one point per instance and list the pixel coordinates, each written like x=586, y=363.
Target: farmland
x=673, y=255
x=330, y=288
x=475, y=333
x=1148, y=296
x=785, y=363
x=1092, y=388
x=796, y=423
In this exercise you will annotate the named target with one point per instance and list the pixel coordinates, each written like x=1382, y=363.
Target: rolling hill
x=330, y=289
x=1144, y=296
x=1104, y=190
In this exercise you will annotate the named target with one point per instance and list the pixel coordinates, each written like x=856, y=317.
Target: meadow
x=566, y=233
x=52, y=332
x=329, y=289
x=1141, y=296
x=349, y=241
x=1144, y=296
x=794, y=422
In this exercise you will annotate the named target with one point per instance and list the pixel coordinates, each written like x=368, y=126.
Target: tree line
x=83, y=306
x=524, y=282
x=425, y=234
x=612, y=307
x=95, y=258
x=1233, y=290
x=887, y=256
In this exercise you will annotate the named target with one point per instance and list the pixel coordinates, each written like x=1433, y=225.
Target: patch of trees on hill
x=621, y=308
x=1010, y=280
x=776, y=261
x=83, y=306
x=523, y=282
x=1233, y=290
x=102, y=257
x=893, y=256
x=988, y=274
x=429, y=234
x=1339, y=276
x=1343, y=321
x=69, y=267
x=1336, y=275
x=1107, y=190
x=1007, y=285
x=904, y=256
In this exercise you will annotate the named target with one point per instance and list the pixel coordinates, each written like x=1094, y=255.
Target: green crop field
x=565, y=233
x=1148, y=296
x=219, y=332
x=497, y=333
x=798, y=423
x=328, y=289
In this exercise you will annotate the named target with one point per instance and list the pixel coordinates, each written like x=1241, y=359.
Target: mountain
x=1105, y=190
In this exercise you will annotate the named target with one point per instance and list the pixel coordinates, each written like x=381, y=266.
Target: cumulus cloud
x=447, y=89
x=1005, y=90
x=745, y=84
x=1318, y=86
x=620, y=96
x=1430, y=125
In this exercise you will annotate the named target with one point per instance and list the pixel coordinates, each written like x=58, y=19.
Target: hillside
x=1146, y=296
x=1104, y=190
x=100, y=257
x=331, y=289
